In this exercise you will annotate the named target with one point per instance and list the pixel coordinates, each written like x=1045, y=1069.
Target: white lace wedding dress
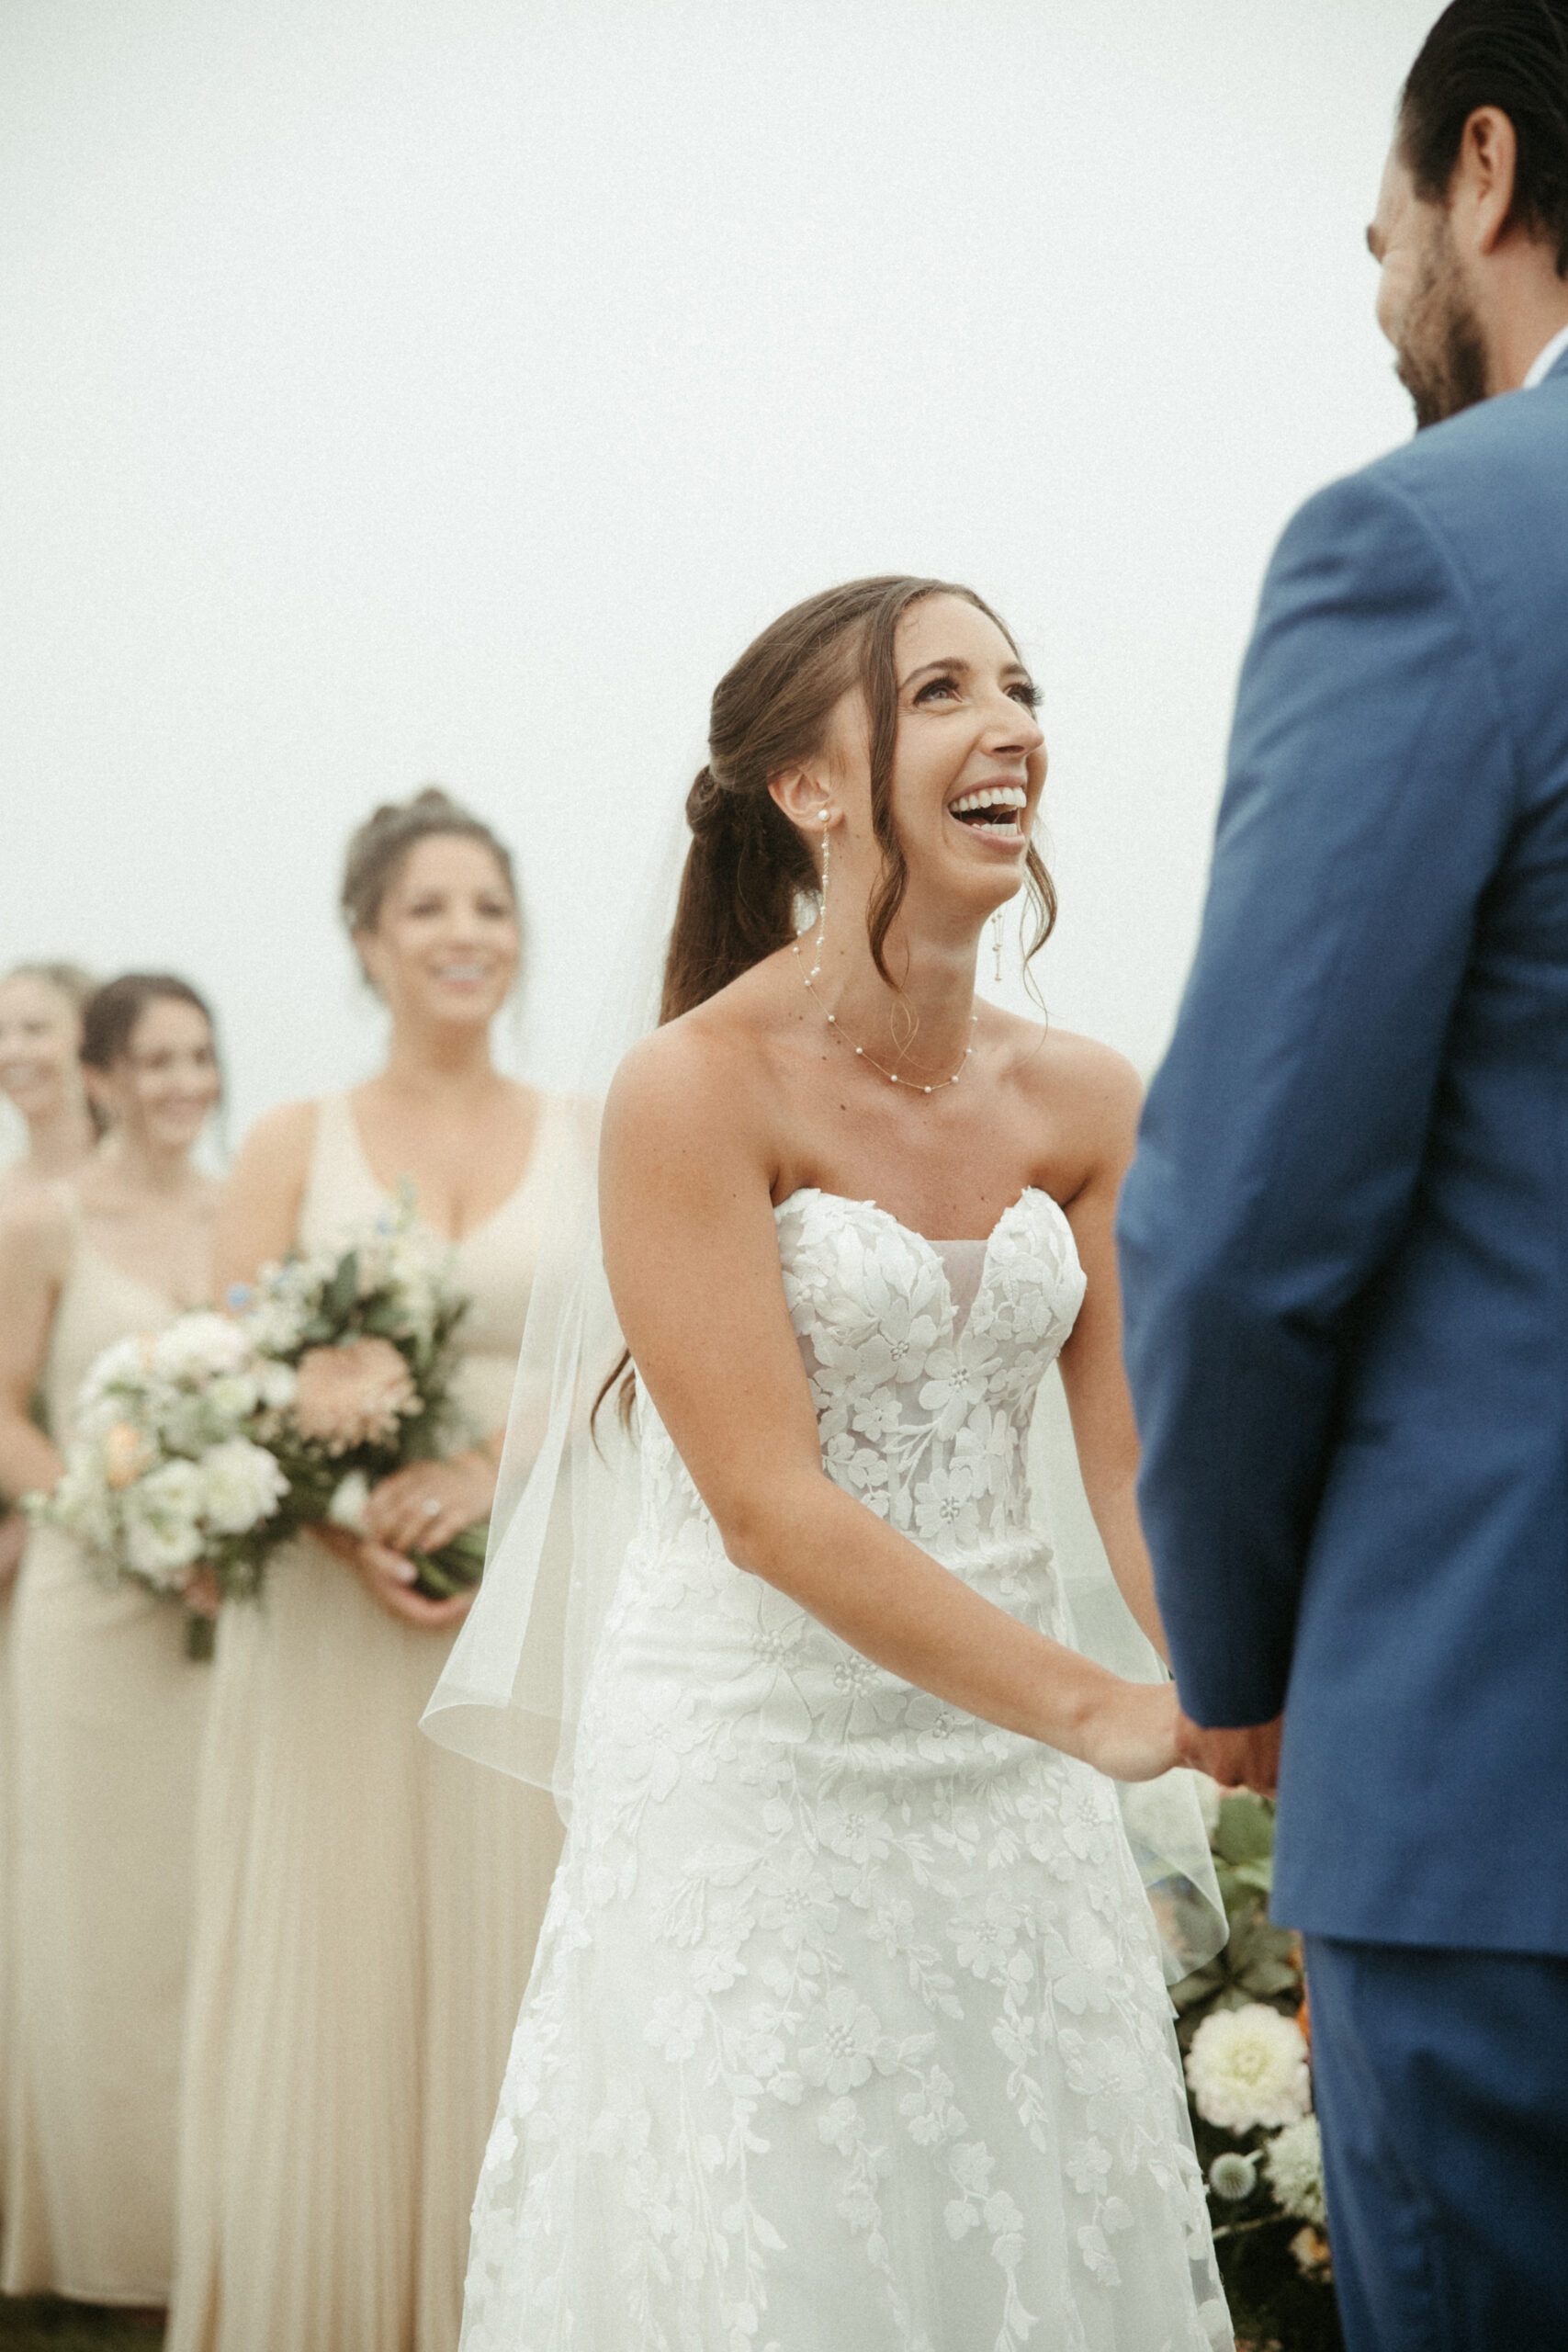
x=847, y=2030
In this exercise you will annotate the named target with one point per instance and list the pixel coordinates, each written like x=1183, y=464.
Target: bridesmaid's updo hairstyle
x=376, y=851
x=110, y=1014
x=747, y=865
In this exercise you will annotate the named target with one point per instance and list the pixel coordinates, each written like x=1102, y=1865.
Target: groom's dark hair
x=1512, y=54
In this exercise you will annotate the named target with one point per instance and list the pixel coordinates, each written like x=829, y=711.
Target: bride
x=848, y=2027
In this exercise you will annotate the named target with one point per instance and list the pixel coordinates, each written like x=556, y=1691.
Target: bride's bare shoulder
x=1081, y=1085
x=703, y=1074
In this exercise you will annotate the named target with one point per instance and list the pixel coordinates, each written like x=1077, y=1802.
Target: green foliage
x=1272, y=2304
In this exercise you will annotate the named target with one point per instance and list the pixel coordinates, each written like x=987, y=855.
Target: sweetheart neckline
x=851, y=1201
x=923, y=1240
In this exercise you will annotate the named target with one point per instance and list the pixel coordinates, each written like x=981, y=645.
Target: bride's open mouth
x=992, y=809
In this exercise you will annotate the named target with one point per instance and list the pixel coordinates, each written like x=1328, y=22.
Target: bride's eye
x=934, y=686
x=1027, y=693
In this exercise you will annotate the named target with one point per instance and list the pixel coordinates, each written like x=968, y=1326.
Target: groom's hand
x=1248, y=1759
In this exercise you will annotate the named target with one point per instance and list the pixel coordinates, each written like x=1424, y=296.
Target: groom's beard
x=1442, y=360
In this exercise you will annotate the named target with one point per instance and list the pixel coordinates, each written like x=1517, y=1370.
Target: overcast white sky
x=410, y=388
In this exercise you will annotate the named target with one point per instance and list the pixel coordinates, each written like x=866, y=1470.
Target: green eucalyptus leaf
x=1245, y=1832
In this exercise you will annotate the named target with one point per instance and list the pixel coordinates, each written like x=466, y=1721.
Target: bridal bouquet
x=205, y=1447
x=1245, y=2035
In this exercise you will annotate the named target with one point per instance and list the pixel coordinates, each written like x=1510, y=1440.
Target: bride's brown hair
x=747, y=867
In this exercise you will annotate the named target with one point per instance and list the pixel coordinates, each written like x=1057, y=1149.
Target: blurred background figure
x=40, y=1076
x=367, y=1905
x=105, y=1708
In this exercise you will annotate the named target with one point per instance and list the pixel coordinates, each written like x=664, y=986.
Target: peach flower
x=352, y=1394
x=126, y=1456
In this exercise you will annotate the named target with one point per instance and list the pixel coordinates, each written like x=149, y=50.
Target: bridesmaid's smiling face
x=969, y=765
x=445, y=942
x=40, y=1035
x=164, y=1087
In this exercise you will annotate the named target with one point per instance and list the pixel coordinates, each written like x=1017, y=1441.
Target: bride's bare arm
x=1104, y=1112
x=692, y=1254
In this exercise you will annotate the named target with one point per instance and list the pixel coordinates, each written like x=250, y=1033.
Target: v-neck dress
x=367, y=1903
x=108, y=1713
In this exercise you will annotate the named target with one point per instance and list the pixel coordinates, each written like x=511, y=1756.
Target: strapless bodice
x=922, y=1408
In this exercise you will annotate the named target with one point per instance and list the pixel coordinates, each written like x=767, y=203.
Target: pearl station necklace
x=915, y=1085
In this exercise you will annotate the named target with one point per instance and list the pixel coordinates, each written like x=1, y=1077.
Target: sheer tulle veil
x=567, y=1500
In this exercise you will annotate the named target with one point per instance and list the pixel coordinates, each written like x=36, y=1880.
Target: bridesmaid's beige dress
x=367, y=1904
x=107, y=1719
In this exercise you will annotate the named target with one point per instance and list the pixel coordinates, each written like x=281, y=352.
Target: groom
x=1344, y=1241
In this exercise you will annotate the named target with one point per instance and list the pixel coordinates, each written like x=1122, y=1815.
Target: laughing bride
x=848, y=2029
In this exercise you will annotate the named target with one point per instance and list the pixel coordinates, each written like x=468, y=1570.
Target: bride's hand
x=1132, y=1733
x=389, y=1577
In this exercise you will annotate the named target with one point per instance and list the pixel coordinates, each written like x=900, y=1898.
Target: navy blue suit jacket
x=1344, y=1235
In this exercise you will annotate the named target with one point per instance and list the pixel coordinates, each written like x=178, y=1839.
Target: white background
x=406, y=389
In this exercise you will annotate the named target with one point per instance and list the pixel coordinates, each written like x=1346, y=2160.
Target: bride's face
x=40, y=1031
x=445, y=943
x=969, y=765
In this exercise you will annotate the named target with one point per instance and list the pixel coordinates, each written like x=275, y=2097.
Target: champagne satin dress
x=367, y=1905
x=107, y=1721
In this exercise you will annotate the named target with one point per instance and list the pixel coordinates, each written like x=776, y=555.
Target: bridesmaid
x=40, y=1075
x=106, y=1711
x=41, y=1038
x=367, y=1904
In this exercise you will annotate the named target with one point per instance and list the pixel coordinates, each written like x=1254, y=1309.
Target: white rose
x=242, y=1485
x=276, y=1327
x=1248, y=2067
x=231, y=1398
x=125, y=1362
x=346, y=1507
x=198, y=1348
x=163, y=1526
x=276, y=1384
x=1294, y=2165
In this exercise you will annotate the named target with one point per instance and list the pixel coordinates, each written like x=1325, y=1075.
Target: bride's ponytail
x=746, y=866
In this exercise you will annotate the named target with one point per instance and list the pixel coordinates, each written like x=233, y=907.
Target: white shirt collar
x=1546, y=360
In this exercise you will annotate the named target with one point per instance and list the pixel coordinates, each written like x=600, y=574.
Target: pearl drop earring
x=915, y=1085
x=996, y=943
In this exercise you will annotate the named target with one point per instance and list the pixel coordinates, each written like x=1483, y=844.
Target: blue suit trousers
x=1441, y=2082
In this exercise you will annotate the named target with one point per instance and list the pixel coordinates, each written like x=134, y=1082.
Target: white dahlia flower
x=1248, y=2067
x=1294, y=2165
x=242, y=1485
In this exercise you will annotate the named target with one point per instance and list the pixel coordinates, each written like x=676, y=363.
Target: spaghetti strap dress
x=106, y=1720
x=366, y=1906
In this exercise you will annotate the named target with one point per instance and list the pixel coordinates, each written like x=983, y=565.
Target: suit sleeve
x=1369, y=798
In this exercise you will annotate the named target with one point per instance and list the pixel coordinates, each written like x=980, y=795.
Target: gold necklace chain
x=915, y=1085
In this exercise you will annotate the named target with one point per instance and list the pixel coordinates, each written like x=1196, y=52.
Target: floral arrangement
x=203, y=1448
x=1245, y=2033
